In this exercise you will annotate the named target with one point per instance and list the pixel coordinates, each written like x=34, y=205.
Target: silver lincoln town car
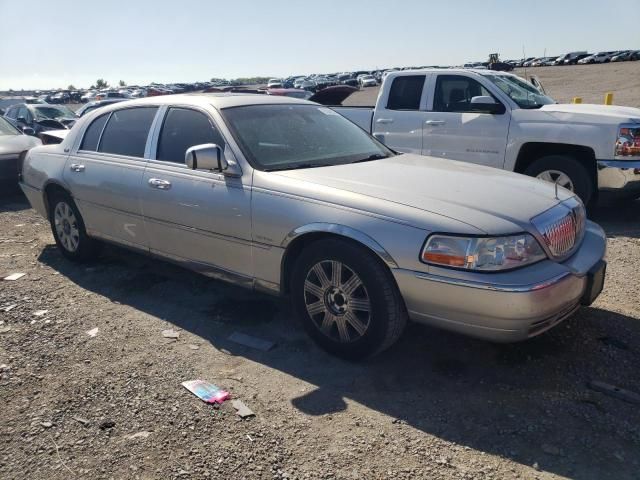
x=288, y=197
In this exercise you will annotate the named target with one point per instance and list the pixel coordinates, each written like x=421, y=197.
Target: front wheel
x=567, y=172
x=347, y=299
x=68, y=229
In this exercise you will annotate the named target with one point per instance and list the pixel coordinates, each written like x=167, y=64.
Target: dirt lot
x=435, y=406
x=590, y=82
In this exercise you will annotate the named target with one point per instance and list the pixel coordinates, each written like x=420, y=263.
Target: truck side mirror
x=486, y=104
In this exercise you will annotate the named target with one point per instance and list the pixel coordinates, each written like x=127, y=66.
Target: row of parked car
x=580, y=58
x=571, y=58
x=317, y=82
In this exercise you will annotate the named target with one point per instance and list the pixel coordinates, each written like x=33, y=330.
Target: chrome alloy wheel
x=556, y=176
x=66, y=226
x=337, y=301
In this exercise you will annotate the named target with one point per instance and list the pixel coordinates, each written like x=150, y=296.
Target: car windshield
x=283, y=137
x=7, y=129
x=54, y=113
x=520, y=91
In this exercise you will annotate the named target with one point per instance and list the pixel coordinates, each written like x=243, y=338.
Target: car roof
x=217, y=100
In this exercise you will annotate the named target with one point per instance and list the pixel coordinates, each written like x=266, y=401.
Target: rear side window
x=126, y=131
x=406, y=92
x=92, y=135
x=184, y=128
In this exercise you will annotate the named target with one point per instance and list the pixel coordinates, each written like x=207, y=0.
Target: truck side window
x=454, y=93
x=406, y=92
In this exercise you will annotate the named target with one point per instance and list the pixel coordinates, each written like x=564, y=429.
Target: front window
x=7, y=129
x=520, y=91
x=283, y=137
x=53, y=113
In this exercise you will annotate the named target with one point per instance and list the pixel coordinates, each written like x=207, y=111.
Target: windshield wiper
x=375, y=156
x=296, y=167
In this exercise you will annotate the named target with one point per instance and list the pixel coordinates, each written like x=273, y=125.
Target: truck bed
x=361, y=116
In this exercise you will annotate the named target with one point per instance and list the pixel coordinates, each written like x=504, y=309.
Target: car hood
x=14, y=144
x=414, y=189
x=611, y=111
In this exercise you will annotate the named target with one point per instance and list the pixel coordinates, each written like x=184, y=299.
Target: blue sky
x=50, y=44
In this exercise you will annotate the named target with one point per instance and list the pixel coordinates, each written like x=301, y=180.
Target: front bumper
x=620, y=177
x=503, y=307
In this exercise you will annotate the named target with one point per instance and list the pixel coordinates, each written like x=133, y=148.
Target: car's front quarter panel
x=279, y=218
x=539, y=126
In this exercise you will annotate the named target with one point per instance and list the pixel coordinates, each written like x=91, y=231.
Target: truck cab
x=500, y=120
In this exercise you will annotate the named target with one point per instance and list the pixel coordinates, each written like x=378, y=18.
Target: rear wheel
x=68, y=229
x=567, y=172
x=346, y=299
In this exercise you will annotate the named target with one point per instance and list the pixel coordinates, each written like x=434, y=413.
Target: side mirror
x=28, y=131
x=486, y=104
x=208, y=156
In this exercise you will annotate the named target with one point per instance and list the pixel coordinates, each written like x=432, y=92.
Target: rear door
x=196, y=216
x=397, y=122
x=105, y=172
x=453, y=130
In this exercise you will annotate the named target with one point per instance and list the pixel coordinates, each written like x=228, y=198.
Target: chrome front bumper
x=503, y=307
x=619, y=176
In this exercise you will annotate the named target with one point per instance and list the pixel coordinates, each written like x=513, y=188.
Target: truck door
x=454, y=128
x=397, y=120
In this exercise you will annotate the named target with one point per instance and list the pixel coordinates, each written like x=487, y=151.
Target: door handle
x=384, y=120
x=435, y=123
x=159, y=183
x=76, y=167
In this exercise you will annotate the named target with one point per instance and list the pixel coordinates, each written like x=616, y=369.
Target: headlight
x=482, y=253
x=628, y=142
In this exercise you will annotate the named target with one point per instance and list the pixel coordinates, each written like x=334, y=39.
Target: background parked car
x=91, y=106
x=367, y=81
x=39, y=118
x=13, y=143
x=600, y=57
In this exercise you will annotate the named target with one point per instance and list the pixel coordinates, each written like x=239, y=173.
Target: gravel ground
x=437, y=405
x=590, y=82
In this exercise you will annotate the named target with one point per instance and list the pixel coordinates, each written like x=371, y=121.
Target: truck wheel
x=68, y=229
x=566, y=171
x=346, y=299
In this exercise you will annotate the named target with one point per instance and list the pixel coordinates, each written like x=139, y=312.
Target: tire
x=68, y=229
x=340, y=303
x=582, y=185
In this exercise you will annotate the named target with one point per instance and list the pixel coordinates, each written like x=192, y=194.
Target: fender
x=343, y=231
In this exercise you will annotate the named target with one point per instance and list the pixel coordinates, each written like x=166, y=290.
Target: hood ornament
x=556, y=184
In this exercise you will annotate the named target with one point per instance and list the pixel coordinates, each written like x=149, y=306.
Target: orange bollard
x=608, y=98
x=576, y=100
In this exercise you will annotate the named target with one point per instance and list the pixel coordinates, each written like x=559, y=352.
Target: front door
x=197, y=217
x=453, y=130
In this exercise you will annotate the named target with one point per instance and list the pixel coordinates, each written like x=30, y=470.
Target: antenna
x=524, y=58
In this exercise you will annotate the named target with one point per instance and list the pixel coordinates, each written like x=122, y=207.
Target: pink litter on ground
x=206, y=391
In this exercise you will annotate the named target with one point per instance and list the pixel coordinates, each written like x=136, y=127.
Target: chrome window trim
x=154, y=133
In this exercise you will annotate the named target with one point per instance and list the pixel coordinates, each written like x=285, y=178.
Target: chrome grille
x=560, y=236
x=562, y=227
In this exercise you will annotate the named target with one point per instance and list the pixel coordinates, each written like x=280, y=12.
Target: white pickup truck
x=500, y=120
